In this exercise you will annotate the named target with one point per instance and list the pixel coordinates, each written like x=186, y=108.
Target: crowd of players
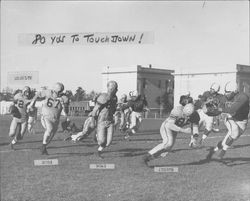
x=188, y=117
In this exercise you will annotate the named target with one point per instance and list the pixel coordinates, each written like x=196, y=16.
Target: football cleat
x=146, y=159
x=222, y=154
x=98, y=154
x=210, y=154
x=164, y=154
x=67, y=138
x=44, y=150
x=11, y=146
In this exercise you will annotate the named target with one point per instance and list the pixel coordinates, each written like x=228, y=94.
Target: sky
x=189, y=36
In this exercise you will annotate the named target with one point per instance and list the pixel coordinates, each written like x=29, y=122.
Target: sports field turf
x=131, y=180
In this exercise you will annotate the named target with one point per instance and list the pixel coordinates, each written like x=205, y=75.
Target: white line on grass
x=8, y=151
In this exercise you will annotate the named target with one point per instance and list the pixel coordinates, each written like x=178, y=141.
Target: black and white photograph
x=125, y=100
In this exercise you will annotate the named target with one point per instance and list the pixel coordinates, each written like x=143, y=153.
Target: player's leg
x=31, y=123
x=101, y=137
x=237, y=128
x=138, y=122
x=110, y=133
x=48, y=125
x=14, y=131
x=122, y=121
x=208, y=121
x=55, y=125
x=23, y=129
x=216, y=124
x=133, y=119
x=116, y=119
x=88, y=127
x=168, y=140
x=232, y=130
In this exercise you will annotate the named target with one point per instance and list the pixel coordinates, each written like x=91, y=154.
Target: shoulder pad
x=177, y=111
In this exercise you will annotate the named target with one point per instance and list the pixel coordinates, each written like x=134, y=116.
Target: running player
x=120, y=112
x=179, y=117
x=55, y=101
x=237, y=110
x=19, y=111
x=208, y=98
x=138, y=104
x=103, y=112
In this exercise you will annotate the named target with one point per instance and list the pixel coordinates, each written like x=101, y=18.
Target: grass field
x=131, y=180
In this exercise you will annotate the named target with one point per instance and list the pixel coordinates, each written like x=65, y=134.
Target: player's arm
x=65, y=105
x=39, y=94
x=203, y=97
x=100, y=102
x=239, y=102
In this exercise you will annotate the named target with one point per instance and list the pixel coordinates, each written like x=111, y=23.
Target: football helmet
x=188, y=109
x=58, y=87
x=123, y=97
x=230, y=89
x=26, y=91
x=112, y=86
x=214, y=88
x=133, y=93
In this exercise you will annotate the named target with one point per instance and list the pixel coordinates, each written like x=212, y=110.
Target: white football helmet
x=215, y=87
x=188, y=109
x=133, y=93
x=58, y=87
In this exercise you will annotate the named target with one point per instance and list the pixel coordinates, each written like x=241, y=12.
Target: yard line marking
x=7, y=151
x=225, y=135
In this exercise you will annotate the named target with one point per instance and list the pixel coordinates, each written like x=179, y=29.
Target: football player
x=210, y=101
x=19, y=111
x=103, y=112
x=237, y=110
x=54, y=103
x=178, y=118
x=137, y=105
x=121, y=112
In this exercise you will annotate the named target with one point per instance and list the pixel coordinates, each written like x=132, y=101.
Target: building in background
x=197, y=83
x=243, y=78
x=154, y=83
